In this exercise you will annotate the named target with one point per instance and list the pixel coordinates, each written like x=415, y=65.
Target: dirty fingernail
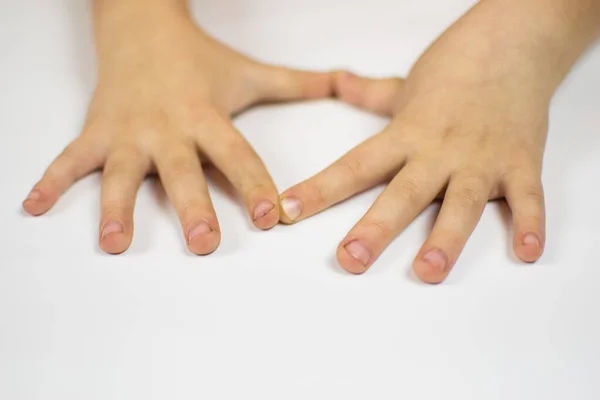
x=200, y=228
x=262, y=209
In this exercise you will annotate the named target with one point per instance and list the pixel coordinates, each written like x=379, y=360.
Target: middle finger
x=407, y=195
x=181, y=174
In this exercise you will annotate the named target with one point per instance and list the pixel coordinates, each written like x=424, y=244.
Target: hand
x=165, y=93
x=469, y=125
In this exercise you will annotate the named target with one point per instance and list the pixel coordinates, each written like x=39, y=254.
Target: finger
x=525, y=196
x=181, y=174
x=381, y=96
x=463, y=205
x=273, y=83
x=356, y=171
x=407, y=195
x=238, y=161
x=80, y=158
x=122, y=176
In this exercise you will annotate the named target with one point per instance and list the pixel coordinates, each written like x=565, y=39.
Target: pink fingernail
x=359, y=252
x=531, y=239
x=436, y=259
x=200, y=228
x=111, y=227
x=291, y=207
x=262, y=209
x=34, y=195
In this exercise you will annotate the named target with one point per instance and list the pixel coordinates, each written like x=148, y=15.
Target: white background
x=270, y=315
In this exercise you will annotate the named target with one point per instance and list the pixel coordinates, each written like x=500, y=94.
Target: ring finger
x=407, y=195
x=123, y=174
x=181, y=174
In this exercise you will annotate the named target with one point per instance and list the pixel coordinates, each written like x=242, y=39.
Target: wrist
x=133, y=33
x=122, y=23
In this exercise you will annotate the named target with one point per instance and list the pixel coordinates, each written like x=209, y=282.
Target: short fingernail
x=531, y=239
x=262, y=209
x=436, y=259
x=291, y=207
x=358, y=251
x=34, y=195
x=111, y=227
x=200, y=228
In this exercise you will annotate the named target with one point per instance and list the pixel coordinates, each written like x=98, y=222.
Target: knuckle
x=474, y=188
x=113, y=207
x=533, y=192
x=124, y=159
x=179, y=167
x=536, y=219
x=176, y=155
x=409, y=189
x=352, y=169
x=195, y=210
x=468, y=196
x=205, y=115
x=253, y=191
x=382, y=228
x=316, y=194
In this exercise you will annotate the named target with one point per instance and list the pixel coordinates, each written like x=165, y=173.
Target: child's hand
x=470, y=125
x=165, y=95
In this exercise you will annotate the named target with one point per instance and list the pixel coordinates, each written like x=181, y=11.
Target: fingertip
x=38, y=202
x=203, y=238
x=432, y=267
x=426, y=274
x=354, y=257
x=290, y=209
x=528, y=248
x=113, y=238
x=265, y=215
x=115, y=243
x=280, y=83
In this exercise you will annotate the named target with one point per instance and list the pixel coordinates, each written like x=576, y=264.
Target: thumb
x=275, y=84
x=381, y=96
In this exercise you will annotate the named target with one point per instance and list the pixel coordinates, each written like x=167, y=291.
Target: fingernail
x=200, y=228
x=531, y=239
x=291, y=207
x=436, y=259
x=34, y=195
x=358, y=251
x=262, y=209
x=111, y=227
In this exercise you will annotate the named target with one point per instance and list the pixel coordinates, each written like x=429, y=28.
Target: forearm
x=538, y=40
x=555, y=32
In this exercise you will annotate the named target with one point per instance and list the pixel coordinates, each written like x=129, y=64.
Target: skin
x=469, y=124
x=163, y=102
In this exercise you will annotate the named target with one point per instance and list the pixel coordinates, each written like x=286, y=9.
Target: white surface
x=270, y=315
